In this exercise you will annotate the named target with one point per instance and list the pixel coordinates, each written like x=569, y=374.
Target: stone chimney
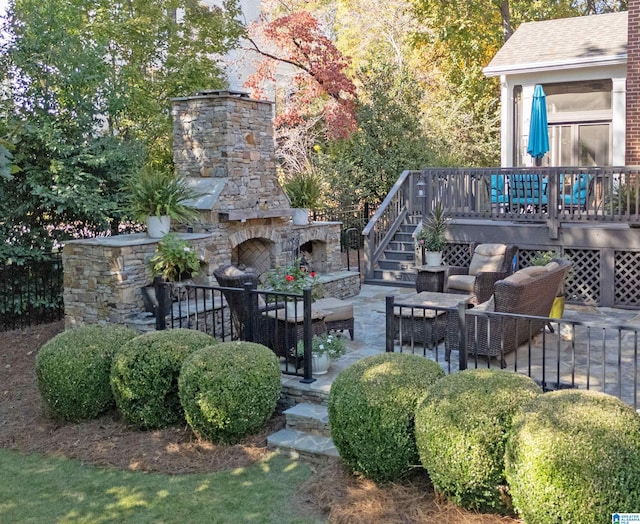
x=632, y=142
x=223, y=143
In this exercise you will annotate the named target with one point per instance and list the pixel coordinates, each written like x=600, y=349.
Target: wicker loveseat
x=530, y=291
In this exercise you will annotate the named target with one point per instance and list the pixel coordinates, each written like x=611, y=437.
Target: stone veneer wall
x=225, y=140
x=103, y=277
x=224, y=135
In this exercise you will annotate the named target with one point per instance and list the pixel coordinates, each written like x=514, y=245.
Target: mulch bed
x=108, y=442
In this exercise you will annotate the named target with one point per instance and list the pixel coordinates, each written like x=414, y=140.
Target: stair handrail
x=387, y=219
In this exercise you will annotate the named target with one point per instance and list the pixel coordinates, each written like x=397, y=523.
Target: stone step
x=298, y=444
x=310, y=418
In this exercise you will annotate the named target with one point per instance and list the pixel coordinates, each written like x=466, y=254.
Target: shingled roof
x=563, y=43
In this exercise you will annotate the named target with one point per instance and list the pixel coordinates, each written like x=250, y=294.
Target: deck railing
x=538, y=195
x=571, y=194
x=400, y=202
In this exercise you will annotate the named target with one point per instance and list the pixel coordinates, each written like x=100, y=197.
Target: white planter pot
x=157, y=227
x=433, y=258
x=320, y=364
x=300, y=217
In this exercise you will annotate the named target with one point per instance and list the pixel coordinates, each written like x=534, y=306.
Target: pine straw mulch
x=108, y=442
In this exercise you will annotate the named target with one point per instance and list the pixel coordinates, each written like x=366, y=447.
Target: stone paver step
x=299, y=444
x=310, y=418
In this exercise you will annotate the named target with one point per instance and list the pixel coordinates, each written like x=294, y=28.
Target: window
x=579, y=117
x=580, y=144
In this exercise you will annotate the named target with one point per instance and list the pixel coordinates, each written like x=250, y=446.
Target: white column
x=618, y=121
x=527, y=100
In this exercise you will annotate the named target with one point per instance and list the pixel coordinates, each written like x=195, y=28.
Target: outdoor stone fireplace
x=224, y=146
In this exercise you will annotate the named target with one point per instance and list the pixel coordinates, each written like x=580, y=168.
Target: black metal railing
x=282, y=321
x=563, y=353
x=31, y=292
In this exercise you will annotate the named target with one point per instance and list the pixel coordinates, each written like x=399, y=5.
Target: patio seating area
x=584, y=349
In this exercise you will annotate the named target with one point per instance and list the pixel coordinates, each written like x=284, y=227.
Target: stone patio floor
x=580, y=350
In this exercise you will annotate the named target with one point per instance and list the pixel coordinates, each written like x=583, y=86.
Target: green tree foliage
x=389, y=139
x=86, y=89
x=458, y=39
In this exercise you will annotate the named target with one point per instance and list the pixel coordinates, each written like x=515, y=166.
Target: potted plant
x=173, y=261
x=324, y=349
x=156, y=196
x=542, y=259
x=430, y=237
x=304, y=191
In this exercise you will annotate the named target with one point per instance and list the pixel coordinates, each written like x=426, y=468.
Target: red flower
x=290, y=278
x=313, y=274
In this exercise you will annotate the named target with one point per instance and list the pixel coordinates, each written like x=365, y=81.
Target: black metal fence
x=281, y=321
x=589, y=354
x=31, y=292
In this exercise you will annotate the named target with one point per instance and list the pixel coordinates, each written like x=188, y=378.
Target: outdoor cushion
x=462, y=282
x=551, y=265
x=489, y=305
x=336, y=309
x=234, y=271
x=533, y=270
x=487, y=257
x=518, y=278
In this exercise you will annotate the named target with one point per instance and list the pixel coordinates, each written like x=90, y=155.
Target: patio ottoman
x=339, y=314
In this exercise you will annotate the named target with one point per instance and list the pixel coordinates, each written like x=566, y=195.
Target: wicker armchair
x=489, y=263
x=530, y=291
x=229, y=276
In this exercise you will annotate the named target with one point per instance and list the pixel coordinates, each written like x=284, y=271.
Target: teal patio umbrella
x=538, y=132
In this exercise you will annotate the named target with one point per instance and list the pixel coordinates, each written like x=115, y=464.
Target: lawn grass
x=42, y=489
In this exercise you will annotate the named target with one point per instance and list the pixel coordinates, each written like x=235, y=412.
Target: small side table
x=430, y=278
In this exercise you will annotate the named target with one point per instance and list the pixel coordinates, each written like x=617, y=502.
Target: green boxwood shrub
x=461, y=428
x=574, y=456
x=229, y=390
x=144, y=375
x=73, y=368
x=371, y=412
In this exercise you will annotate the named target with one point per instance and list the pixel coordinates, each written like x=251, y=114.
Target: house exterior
x=581, y=63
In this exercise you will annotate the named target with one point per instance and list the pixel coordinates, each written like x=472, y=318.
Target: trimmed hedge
x=461, y=428
x=144, y=375
x=73, y=369
x=229, y=390
x=574, y=456
x=371, y=412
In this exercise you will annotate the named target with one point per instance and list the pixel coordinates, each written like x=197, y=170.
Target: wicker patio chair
x=489, y=263
x=229, y=276
x=530, y=291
